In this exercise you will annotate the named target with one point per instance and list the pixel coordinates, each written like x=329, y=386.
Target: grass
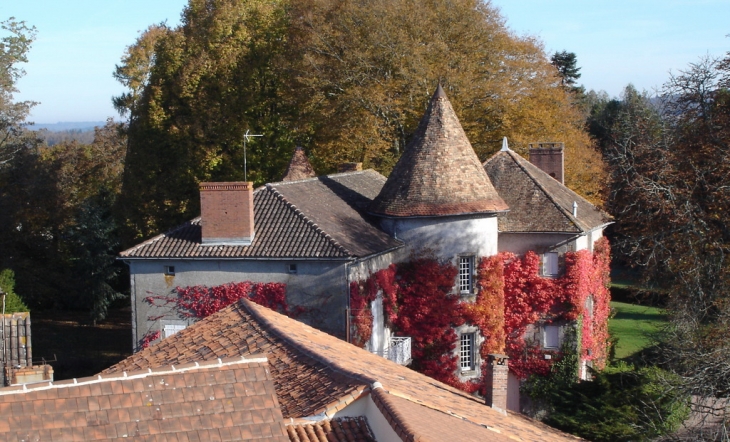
x=633, y=326
x=80, y=349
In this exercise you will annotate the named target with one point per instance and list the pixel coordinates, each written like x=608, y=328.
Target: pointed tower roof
x=299, y=167
x=439, y=173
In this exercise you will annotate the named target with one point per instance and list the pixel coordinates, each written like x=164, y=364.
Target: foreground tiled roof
x=439, y=173
x=231, y=399
x=299, y=167
x=537, y=201
x=317, y=374
x=314, y=218
x=344, y=429
x=305, y=386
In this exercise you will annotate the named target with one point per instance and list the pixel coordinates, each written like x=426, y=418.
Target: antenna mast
x=246, y=137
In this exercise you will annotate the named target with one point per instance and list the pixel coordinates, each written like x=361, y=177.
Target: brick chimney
x=349, y=167
x=497, y=371
x=226, y=212
x=549, y=158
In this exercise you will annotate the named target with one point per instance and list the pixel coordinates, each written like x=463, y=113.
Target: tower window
x=466, y=351
x=466, y=272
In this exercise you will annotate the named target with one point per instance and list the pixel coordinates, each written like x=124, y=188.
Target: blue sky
x=617, y=42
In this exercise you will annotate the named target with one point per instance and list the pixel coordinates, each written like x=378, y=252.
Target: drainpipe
x=347, y=309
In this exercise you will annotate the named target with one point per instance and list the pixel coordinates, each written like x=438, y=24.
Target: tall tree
x=347, y=79
x=567, y=65
x=670, y=163
x=14, y=47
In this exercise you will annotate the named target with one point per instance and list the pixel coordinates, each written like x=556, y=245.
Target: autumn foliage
x=419, y=302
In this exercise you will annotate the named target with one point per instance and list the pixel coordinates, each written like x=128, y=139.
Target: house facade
x=318, y=235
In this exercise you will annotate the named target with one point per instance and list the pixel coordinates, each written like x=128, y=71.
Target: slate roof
x=537, y=201
x=439, y=173
x=319, y=217
x=231, y=399
x=299, y=167
x=317, y=374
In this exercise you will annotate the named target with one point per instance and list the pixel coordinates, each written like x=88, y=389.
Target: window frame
x=469, y=340
x=173, y=328
x=469, y=274
x=546, y=264
x=546, y=334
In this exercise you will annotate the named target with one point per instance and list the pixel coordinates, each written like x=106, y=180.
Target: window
x=466, y=351
x=551, y=336
x=550, y=264
x=170, y=270
x=171, y=329
x=292, y=268
x=466, y=270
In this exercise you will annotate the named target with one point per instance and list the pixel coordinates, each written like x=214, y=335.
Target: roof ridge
x=135, y=374
x=304, y=180
x=562, y=210
x=306, y=219
x=366, y=381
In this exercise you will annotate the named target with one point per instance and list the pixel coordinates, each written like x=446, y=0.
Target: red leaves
x=202, y=301
x=149, y=338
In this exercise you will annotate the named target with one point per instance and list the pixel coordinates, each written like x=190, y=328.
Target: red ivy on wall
x=418, y=301
x=201, y=301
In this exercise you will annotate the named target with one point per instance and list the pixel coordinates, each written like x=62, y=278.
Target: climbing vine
x=512, y=300
x=202, y=301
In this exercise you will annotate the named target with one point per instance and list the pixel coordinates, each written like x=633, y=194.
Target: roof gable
x=538, y=202
x=439, y=174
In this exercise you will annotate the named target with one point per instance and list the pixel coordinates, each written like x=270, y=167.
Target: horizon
x=70, y=68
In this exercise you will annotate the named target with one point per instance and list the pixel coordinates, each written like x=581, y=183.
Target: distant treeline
x=82, y=136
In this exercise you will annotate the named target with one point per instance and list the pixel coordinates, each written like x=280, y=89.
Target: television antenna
x=246, y=137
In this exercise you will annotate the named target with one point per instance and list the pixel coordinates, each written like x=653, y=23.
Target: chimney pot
x=549, y=157
x=226, y=213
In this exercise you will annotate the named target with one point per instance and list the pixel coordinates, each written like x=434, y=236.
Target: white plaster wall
x=447, y=237
x=521, y=243
x=365, y=406
x=319, y=286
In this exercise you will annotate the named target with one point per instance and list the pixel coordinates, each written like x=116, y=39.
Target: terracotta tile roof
x=537, y=201
x=315, y=373
x=342, y=429
x=305, y=386
x=231, y=399
x=299, y=167
x=439, y=173
x=313, y=218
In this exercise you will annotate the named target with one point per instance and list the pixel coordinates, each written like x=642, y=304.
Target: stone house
x=319, y=234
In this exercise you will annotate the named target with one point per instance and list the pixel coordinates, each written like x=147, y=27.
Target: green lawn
x=632, y=325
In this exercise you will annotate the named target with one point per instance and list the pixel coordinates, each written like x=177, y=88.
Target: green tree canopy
x=567, y=65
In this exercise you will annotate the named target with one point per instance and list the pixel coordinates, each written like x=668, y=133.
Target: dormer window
x=466, y=275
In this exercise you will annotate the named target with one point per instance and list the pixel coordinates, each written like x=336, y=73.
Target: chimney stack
x=549, y=157
x=349, y=167
x=226, y=213
x=496, y=376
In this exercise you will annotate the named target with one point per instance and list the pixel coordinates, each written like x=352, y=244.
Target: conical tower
x=299, y=167
x=439, y=174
